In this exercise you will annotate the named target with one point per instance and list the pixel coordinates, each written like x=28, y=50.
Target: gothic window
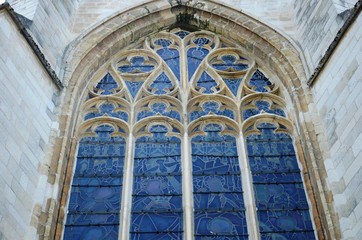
x=186, y=137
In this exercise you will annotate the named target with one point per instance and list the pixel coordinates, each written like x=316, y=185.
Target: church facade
x=181, y=119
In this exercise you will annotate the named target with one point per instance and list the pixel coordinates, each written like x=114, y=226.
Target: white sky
x=2, y=1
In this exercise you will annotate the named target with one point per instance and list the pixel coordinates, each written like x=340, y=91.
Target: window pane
x=157, y=191
x=282, y=207
x=218, y=198
x=95, y=198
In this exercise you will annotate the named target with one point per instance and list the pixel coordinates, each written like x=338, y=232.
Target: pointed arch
x=271, y=50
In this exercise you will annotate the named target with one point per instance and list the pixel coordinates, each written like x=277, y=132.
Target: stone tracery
x=221, y=88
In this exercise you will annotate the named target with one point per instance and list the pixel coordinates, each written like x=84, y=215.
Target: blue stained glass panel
x=157, y=165
x=280, y=196
x=282, y=207
x=211, y=107
x=215, y=183
x=182, y=34
x=221, y=224
x=157, y=185
x=107, y=85
x=272, y=164
x=157, y=188
x=95, y=197
x=172, y=58
x=230, y=64
x=92, y=232
x=262, y=106
x=133, y=87
x=107, y=108
x=233, y=85
x=106, y=219
x=218, y=198
x=207, y=83
x=157, y=236
x=142, y=204
x=159, y=108
x=219, y=201
x=153, y=222
x=288, y=235
x=284, y=221
x=194, y=58
x=162, y=85
x=259, y=82
x=137, y=64
x=215, y=237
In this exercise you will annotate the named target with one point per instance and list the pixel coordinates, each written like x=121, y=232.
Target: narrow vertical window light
x=218, y=196
x=157, y=190
x=282, y=207
x=95, y=199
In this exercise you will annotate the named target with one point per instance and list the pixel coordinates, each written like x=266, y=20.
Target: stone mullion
x=248, y=189
x=187, y=186
x=126, y=204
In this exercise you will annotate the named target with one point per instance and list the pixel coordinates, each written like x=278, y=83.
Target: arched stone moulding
x=88, y=55
x=174, y=127
x=229, y=127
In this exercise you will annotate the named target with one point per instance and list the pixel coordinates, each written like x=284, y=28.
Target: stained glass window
x=176, y=111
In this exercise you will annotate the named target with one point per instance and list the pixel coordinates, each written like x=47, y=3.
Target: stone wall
x=26, y=120
x=51, y=27
x=26, y=8
x=316, y=24
x=338, y=97
x=274, y=12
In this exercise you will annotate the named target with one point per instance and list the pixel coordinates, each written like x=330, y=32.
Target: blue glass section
x=282, y=207
x=159, y=108
x=182, y=34
x=207, y=83
x=95, y=197
x=91, y=233
x=259, y=82
x=162, y=85
x=157, y=188
x=230, y=64
x=107, y=108
x=288, y=236
x=170, y=55
x=133, y=87
x=233, y=85
x=201, y=41
x=262, y=106
x=106, y=86
x=285, y=221
x=157, y=236
x=172, y=58
x=218, y=197
x=225, y=225
x=195, y=56
x=137, y=64
x=163, y=42
x=211, y=107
